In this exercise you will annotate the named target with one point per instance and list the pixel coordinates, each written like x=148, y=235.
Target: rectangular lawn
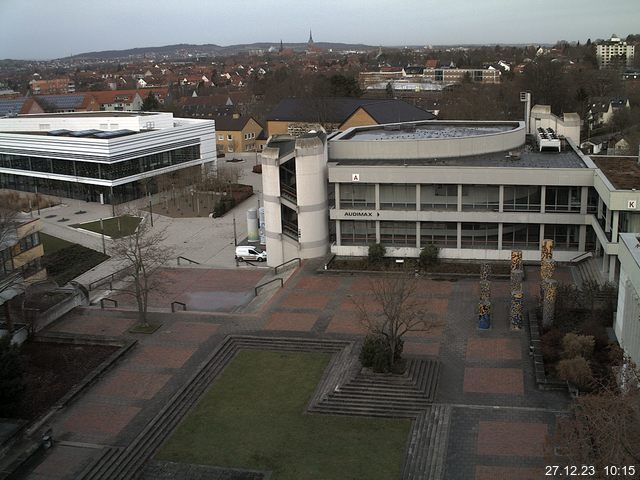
x=253, y=417
x=115, y=227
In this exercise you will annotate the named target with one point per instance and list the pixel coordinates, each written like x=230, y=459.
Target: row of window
x=26, y=243
x=445, y=234
x=474, y=197
x=104, y=171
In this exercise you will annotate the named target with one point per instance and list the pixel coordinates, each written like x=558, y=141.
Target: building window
x=397, y=197
x=444, y=235
x=565, y=237
x=357, y=195
x=480, y=197
x=361, y=233
x=562, y=199
x=439, y=197
x=521, y=198
x=480, y=235
x=220, y=138
x=229, y=137
x=398, y=234
x=525, y=236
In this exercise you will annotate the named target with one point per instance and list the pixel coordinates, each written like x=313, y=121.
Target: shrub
x=577, y=371
x=12, y=384
x=377, y=251
x=550, y=345
x=574, y=345
x=376, y=355
x=428, y=255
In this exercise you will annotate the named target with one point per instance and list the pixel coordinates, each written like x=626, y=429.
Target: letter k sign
x=632, y=204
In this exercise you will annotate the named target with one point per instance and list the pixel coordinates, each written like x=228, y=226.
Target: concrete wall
x=342, y=147
x=271, y=199
x=626, y=325
x=568, y=125
x=311, y=172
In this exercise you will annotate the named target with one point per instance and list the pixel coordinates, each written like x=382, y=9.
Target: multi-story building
x=119, y=100
x=236, y=134
x=614, y=52
x=477, y=190
x=110, y=157
x=55, y=86
x=419, y=75
x=626, y=325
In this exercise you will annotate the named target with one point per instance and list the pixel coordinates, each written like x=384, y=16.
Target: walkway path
x=499, y=419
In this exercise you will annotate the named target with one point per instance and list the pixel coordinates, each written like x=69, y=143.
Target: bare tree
x=603, y=428
x=401, y=309
x=142, y=253
x=11, y=280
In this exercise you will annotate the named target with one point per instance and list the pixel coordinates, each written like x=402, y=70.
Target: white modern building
x=109, y=157
x=614, y=52
x=477, y=190
x=627, y=322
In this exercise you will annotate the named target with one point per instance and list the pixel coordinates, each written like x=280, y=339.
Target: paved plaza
x=499, y=423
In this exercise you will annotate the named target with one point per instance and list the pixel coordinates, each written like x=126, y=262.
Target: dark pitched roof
x=339, y=109
x=228, y=124
x=11, y=106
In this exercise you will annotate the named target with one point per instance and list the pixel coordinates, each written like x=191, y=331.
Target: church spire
x=310, y=38
x=281, y=47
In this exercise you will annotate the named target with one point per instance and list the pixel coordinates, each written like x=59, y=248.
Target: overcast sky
x=45, y=29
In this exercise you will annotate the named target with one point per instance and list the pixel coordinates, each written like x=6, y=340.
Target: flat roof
x=425, y=131
x=622, y=172
x=525, y=157
x=89, y=114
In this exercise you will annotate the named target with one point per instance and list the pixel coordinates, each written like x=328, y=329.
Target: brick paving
x=494, y=349
x=291, y=321
x=484, y=472
x=498, y=381
x=479, y=370
x=513, y=439
x=133, y=385
x=100, y=421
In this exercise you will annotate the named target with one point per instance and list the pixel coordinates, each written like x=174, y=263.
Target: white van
x=248, y=252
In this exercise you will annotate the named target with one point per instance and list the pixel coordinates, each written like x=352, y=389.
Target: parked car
x=250, y=253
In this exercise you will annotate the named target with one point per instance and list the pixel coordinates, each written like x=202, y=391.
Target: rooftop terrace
x=622, y=172
x=422, y=131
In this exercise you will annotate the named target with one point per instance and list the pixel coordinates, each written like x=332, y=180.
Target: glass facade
x=565, y=237
x=102, y=171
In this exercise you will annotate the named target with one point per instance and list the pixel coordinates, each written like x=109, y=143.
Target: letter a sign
x=355, y=177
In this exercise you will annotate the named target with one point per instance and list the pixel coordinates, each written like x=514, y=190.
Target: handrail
x=581, y=257
x=173, y=306
x=297, y=259
x=102, y=300
x=187, y=259
x=255, y=290
x=110, y=278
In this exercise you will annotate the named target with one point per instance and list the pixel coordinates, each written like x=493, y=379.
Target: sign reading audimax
x=361, y=213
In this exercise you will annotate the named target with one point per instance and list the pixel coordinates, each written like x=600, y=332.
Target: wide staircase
x=588, y=270
x=379, y=395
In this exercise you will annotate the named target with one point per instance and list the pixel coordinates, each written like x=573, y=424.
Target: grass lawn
x=65, y=260
x=115, y=227
x=253, y=418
